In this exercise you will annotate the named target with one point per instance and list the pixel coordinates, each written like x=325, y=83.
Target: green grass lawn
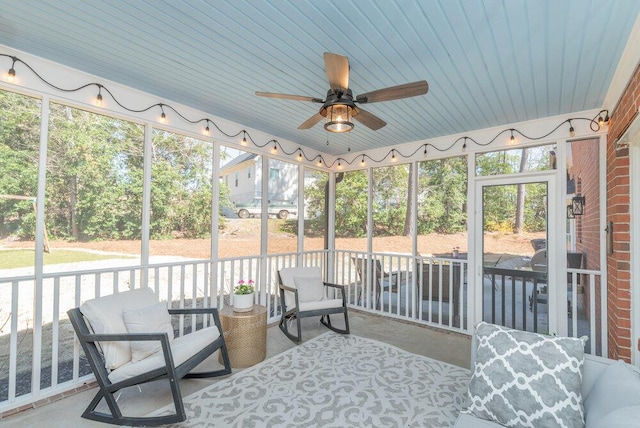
x=10, y=259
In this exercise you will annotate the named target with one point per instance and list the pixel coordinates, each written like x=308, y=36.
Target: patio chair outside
x=381, y=278
x=120, y=359
x=303, y=294
x=434, y=291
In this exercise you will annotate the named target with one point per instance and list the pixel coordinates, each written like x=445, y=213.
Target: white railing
x=40, y=357
x=427, y=290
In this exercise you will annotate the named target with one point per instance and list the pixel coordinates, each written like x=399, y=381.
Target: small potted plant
x=243, y=296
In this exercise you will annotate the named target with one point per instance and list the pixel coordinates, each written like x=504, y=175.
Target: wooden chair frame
x=107, y=389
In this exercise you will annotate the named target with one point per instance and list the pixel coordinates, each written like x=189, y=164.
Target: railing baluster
x=55, y=330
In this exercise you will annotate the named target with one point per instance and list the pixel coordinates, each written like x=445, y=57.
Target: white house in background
x=243, y=176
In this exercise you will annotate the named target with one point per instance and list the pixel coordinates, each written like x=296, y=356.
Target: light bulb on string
x=207, y=131
x=393, y=156
x=300, y=155
x=572, y=132
x=512, y=140
x=163, y=116
x=244, y=138
x=362, y=161
x=99, y=102
x=11, y=74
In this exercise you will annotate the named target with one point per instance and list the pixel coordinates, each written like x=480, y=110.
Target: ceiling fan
x=340, y=105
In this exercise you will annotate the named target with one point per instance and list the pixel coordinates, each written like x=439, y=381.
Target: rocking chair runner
x=304, y=294
x=120, y=359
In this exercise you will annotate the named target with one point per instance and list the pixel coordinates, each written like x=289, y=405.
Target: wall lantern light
x=577, y=205
x=570, y=212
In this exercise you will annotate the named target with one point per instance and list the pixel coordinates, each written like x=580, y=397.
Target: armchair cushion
x=526, y=379
x=182, y=348
x=310, y=289
x=150, y=319
x=105, y=317
x=617, y=386
x=321, y=304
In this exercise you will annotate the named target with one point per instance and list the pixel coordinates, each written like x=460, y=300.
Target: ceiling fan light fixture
x=338, y=118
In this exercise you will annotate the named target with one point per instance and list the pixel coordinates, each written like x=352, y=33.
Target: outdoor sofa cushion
x=617, y=387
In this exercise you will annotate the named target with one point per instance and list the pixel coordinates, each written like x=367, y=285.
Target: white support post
x=146, y=203
x=36, y=363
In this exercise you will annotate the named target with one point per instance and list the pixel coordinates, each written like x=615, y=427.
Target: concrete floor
x=437, y=344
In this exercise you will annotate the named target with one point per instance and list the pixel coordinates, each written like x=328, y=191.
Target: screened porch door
x=514, y=237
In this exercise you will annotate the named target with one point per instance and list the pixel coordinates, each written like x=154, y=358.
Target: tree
x=442, y=195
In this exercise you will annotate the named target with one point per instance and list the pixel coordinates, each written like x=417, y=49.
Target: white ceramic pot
x=243, y=302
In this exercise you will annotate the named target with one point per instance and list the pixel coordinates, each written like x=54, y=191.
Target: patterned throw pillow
x=523, y=379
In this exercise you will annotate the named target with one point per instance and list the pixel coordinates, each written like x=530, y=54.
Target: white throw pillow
x=104, y=315
x=150, y=319
x=616, y=387
x=310, y=289
x=523, y=379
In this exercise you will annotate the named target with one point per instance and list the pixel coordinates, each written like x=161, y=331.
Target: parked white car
x=280, y=209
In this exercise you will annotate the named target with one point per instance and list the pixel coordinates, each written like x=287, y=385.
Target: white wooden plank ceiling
x=488, y=63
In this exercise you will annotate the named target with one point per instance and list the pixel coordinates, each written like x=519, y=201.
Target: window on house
x=249, y=173
x=236, y=180
x=274, y=173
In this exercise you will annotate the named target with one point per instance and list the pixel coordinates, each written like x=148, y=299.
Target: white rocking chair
x=304, y=294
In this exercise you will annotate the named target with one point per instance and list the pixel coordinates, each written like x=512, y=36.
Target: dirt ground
x=241, y=237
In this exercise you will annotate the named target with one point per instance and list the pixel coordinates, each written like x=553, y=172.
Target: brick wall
x=618, y=263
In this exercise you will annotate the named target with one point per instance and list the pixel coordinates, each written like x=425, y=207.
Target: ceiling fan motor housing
x=338, y=110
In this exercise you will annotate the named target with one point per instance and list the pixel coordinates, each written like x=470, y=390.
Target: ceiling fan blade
x=369, y=120
x=395, y=92
x=337, y=67
x=309, y=123
x=289, y=97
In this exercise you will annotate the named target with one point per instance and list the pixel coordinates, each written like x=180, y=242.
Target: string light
x=163, y=117
x=572, y=132
x=99, y=96
x=275, y=148
x=320, y=161
x=596, y=124
x=11, y=74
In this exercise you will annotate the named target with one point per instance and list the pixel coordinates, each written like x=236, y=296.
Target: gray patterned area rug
x=334, y=381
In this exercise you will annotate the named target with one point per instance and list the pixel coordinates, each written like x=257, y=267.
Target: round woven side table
x=245, y=334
